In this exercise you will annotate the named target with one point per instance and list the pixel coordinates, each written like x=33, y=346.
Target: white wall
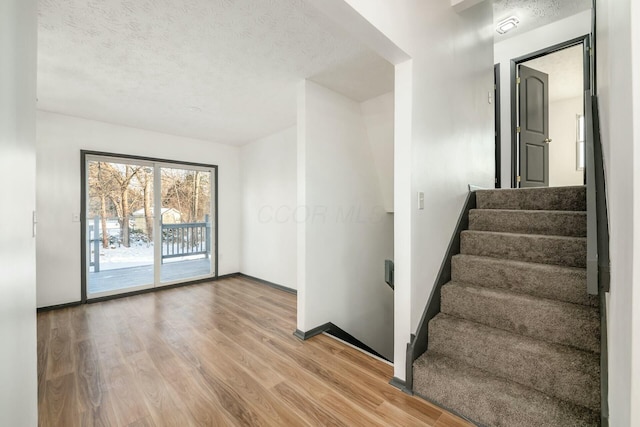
x=269, y=200
x=345, y=232
x=59, y=141
x=448, y=138
x=557, y=32
x=562, y=149
x=18, y=362
x=618, y=68
x=377, y=114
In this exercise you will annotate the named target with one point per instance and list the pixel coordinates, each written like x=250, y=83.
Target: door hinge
x=518, y=129
x=518, y=178
x=518, y=81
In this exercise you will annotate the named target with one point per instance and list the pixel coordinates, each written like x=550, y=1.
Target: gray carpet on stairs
x=553, y=198
x=557, y=250
x=490, y=400
x=552, y=223
x=517, y=341
x=541, y=280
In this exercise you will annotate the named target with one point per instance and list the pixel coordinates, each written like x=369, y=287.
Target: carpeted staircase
x=517, y=340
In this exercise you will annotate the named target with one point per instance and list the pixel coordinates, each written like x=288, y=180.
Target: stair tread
x=525, y=235
x=550, y=281
x=545, y=222
x=490, y=400
x=541, y=198
x=541, y=318
x=533, y=211
x=558, y=250
x=559, y=370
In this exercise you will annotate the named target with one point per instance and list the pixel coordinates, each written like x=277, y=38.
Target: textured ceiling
x=534, y=13
x=221, y=70
x=565, y=72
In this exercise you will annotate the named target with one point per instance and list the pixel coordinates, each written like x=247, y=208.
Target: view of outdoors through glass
x=121, y=239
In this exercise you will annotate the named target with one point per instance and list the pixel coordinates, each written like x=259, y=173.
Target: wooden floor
x=215, y=354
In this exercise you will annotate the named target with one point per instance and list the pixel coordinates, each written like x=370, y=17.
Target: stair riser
x=559, y=371
x=566, y=251
x=551, y=321
x=556, y=198
x=573, y=224
x=545, y=281
x=491, y=401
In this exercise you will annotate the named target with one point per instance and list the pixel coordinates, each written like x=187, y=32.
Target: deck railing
x=193, y=238
x=187, y=239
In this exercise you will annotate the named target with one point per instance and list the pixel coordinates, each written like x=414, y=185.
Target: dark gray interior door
x=534, y=127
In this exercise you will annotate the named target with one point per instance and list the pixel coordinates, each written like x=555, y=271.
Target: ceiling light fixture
x=507, y=25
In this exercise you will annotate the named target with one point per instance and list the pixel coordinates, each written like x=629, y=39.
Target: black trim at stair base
x=266, y=282
x=419, y=341
x=604, y=363
x=400, y=385
x=58, y=306
x=312, y=332
x=339, y=333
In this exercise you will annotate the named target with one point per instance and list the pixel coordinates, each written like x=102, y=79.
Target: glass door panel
x=186, y=224
x=119, y=221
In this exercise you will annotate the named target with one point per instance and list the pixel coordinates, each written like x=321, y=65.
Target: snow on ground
x=137, y=255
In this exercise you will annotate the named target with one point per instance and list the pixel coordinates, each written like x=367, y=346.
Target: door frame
x=584, y=40
x=83, y=225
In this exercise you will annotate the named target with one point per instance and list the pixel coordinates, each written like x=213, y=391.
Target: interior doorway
x=548, y=96
x=147, y=223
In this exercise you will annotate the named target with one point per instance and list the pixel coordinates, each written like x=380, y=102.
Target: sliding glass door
x=148, y=223
x=185, y=223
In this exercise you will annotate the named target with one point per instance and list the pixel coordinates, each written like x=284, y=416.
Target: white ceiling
x=534, y=13
x=220, y=70
x=565, y=70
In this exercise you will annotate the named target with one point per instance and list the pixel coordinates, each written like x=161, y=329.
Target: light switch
x=420, y=200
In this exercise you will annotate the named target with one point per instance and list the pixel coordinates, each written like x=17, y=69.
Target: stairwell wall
x=443, y=136
x=377, y=114
x=344, y=232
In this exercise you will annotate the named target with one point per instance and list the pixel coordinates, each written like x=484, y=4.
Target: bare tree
x=120, y=197
x=100, y=187
x=145, y=176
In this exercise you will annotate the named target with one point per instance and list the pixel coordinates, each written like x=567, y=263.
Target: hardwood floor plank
x=165, y=409
x=307, y=405
x=127, y=400
x=60, y=402
x=60, y=358
x=184, y=382
x=394, y=416
x=213, y=354
x=88, y=376
x=44, y=330
x=449, y=420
